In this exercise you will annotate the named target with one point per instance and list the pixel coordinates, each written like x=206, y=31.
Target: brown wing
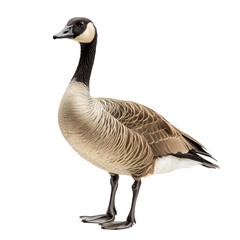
x=162, y=137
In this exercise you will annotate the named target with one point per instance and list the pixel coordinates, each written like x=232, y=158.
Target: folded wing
x=163, y=138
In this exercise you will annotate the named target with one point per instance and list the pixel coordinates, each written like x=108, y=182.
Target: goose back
x=162, y=137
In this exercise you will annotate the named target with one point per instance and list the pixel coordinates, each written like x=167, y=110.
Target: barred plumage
x=118, y=136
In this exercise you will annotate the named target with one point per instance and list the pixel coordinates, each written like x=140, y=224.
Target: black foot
x=117, y=225
x=103, y=218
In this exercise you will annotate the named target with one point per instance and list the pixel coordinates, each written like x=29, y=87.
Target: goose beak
x=67, y=32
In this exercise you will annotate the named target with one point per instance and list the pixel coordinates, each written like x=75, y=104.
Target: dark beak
x=67, y=32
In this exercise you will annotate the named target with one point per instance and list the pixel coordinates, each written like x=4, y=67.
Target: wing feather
x=162, y=137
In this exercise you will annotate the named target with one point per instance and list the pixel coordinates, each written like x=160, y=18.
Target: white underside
x=171, y=163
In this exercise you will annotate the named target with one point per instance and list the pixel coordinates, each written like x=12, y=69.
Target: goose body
x=120, y=137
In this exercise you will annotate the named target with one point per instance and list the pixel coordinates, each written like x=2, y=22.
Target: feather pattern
x=162, y=137
x=121, y=137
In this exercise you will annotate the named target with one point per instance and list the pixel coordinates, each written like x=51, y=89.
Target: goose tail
x=196, y=156
x=176, y=161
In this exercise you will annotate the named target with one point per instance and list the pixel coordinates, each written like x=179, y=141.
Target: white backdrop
x=181, y=58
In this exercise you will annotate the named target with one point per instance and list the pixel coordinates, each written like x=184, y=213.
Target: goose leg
x=111, y=211
x=131, y=216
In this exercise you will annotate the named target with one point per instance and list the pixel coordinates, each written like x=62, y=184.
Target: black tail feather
x=202, y=153
x=194, y=156
x=198, y=149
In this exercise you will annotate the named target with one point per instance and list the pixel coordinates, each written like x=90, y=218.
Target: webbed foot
x=117, y=225
x=103, y=218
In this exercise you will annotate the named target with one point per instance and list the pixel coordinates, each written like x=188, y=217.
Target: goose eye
x=80, y=24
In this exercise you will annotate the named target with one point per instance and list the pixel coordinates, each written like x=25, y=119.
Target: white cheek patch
x=87, y=36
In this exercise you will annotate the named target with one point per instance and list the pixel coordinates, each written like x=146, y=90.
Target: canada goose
x=120, y=137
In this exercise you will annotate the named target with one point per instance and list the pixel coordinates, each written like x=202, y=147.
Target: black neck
x=84, y=68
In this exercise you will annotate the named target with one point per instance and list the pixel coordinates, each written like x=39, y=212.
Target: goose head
x=79, y=29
